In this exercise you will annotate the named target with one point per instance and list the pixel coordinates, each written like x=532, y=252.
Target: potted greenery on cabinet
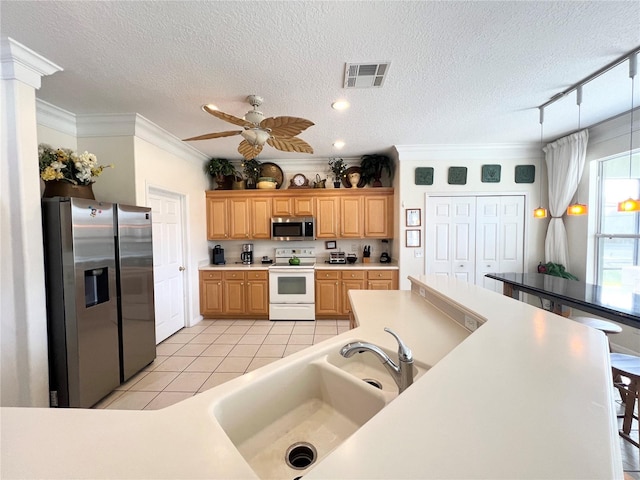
x=222, y=171
x=372, y=166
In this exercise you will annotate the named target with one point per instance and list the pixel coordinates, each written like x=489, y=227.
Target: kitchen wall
x=441, y=157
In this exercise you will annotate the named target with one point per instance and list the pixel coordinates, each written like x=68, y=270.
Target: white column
x=23, y=317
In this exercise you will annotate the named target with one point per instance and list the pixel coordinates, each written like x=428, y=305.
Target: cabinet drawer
x=233, y=275
x=327, y=275
x=209, y=275
x=353, y=275
x=257, y=275
x=380, y=274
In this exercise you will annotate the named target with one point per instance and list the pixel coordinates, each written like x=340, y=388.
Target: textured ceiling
x=461, y=72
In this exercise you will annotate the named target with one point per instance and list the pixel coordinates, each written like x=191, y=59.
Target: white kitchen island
x=526, y=395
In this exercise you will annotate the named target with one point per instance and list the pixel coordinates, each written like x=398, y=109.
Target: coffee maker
x=247, y=254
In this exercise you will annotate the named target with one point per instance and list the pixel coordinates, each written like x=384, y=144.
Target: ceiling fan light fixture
x=254, y=116
x=340, y=105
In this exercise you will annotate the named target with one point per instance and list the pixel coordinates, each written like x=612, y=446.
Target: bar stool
x=627, y=366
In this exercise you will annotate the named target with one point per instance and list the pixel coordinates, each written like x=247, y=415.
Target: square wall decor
x=491, y=173
x=525, y=173
x=457, y=176
x=424, y=176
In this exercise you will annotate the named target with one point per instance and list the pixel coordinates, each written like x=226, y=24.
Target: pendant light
x=578, y=208
x=631, y=205
x=540, y=212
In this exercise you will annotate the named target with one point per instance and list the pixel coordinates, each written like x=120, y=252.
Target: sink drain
x=300, y=455
x=374, y=382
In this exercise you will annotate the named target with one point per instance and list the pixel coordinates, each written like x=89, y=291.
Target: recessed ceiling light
x=340, y=105
x=210, y=106
x=338, y=144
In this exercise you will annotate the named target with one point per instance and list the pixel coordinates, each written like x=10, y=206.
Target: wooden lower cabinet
x=234, y=293
x=332, y=289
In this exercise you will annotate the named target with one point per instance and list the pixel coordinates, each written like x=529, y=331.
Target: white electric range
x=292, y=287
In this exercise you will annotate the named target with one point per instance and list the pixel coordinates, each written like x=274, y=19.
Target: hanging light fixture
x=540, y=212
x=631, y=205
x=578, y=208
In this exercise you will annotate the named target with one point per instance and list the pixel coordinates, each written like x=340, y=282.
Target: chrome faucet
x=402, y=373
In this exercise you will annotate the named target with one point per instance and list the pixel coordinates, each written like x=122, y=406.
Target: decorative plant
x=372, y=166
x=66, y=165
x=555, y=270
x=220, y=167
x=251, y=169
x=337, y=167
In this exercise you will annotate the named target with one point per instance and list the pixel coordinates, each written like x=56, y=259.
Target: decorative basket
x=60, y=188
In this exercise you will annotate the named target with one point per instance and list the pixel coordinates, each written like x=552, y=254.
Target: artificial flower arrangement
x=66, y=165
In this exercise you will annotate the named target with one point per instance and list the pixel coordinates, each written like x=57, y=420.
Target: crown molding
x=133, y=124
x=57, y=118
x=23, y=64
x=618, y=126
x=497, y=151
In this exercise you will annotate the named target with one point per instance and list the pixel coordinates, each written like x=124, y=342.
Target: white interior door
x=451, y=237
x=468, y=237
x=168, y=258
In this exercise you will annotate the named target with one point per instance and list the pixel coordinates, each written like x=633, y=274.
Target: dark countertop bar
x=614, y=303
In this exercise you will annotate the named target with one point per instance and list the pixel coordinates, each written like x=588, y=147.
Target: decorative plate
x=268, y=169
x=424, y=176
x=345, y=177
x=491, y=173
x=457, y=176
x=525, y=173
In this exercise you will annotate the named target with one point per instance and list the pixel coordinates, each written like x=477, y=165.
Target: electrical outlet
x=423, y=292
x=354, y=247
x=470, y=323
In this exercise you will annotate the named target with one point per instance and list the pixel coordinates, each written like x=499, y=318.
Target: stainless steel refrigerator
x=100, y=311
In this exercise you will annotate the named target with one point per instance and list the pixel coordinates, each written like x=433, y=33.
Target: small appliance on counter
x=385, y=258
x=266, y=260
x=337, y=257
x=217, y=255
x=247, y=254
x=352, y=258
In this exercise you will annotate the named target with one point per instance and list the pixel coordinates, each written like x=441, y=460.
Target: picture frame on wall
x=413, y=217
x=330, y=245
x=413, y=238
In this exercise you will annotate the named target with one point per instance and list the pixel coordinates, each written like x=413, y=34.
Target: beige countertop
x=318, y=266
x=524, y=396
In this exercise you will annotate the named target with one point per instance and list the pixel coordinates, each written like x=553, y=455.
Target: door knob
x=181, y=268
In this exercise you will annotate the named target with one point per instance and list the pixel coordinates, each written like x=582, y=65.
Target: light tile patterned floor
x=215, y=351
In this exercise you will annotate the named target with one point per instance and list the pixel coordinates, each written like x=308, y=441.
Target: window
x=618, y=233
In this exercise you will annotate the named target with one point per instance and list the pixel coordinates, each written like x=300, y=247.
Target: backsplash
x=233, y=248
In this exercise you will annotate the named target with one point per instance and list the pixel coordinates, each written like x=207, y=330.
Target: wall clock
x=299, y=181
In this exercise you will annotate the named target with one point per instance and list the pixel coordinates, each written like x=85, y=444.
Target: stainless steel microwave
x=293, y=228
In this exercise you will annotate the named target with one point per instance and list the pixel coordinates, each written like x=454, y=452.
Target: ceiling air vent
x=365, y=75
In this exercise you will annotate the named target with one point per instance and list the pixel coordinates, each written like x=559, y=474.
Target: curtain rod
x=591, y=77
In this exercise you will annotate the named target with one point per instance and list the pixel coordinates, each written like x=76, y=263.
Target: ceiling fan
x=278, y=132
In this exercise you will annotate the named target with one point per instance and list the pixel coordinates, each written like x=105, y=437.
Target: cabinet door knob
x=248, y=284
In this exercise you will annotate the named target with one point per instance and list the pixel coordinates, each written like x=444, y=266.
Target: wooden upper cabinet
x=351, y=221
x=290, y=206
x=327, y=214
x=378, y=216
x=217, y=218
x=260, y=217
x=239, y=226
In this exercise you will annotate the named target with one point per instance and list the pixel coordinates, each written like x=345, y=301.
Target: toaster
x=337, y=257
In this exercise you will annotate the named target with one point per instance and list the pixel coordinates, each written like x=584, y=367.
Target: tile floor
x=215, y=351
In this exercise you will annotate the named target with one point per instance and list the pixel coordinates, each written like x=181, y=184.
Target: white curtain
x=565, y=164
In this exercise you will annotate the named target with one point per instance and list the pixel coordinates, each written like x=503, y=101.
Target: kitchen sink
x=286, y=421
x=371, y=371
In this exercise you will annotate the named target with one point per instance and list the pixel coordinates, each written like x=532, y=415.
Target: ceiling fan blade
x=207, y=136
x=290, y=144
x=286, y=126
x=227, y=118
x=249, y=151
